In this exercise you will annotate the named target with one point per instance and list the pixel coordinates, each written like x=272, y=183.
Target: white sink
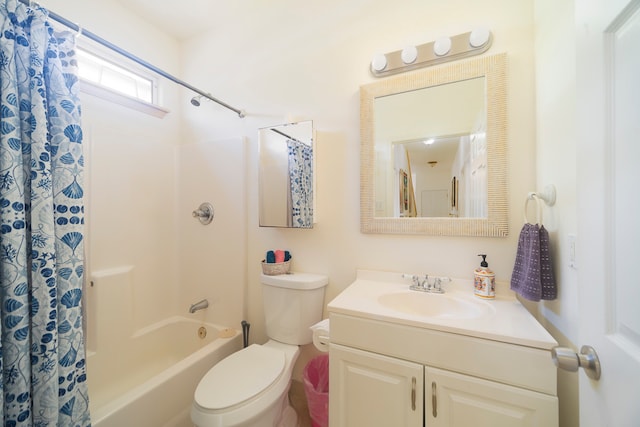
x=443, y=306
x=385, y=297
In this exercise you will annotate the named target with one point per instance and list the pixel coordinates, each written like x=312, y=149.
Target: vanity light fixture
x=443, y=49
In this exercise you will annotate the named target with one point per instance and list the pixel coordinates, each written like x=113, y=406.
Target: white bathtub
x=150, y=380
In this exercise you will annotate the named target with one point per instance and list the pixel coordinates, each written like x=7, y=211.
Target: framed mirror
x=433, y=151
x=286, y=180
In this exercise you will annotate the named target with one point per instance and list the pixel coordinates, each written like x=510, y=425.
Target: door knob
x=567, y=359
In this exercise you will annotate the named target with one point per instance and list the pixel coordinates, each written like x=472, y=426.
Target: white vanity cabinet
x=455, y=400
x=390, y=369
x=374, y=390
x=482, y=387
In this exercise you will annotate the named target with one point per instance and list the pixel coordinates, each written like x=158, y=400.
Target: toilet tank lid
x=296, y=280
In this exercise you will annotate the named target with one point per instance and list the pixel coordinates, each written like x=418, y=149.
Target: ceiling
x=184, y=20
x=443, y=151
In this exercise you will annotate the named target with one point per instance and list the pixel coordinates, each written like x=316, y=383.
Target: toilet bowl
x=250, y=387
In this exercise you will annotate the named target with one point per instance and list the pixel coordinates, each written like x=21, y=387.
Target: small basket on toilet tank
x=276, y=268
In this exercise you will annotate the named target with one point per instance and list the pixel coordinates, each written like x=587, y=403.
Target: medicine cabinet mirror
x=285, y=175
x=433, y=151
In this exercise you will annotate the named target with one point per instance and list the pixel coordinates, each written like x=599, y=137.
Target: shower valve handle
x=204, y=213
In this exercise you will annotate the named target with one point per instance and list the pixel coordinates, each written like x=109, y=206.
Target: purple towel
x=532, y=273
x=549, y=289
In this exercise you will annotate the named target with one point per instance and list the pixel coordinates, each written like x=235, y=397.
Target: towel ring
x=548, y=195
x=533, y=196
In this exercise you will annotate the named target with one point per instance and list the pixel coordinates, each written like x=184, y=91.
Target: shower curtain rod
x=119, y=50
x=287, y=136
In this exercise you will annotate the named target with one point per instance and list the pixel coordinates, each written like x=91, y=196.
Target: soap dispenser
x=484, y=280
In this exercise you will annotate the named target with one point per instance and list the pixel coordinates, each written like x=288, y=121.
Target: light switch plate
x=572, y=251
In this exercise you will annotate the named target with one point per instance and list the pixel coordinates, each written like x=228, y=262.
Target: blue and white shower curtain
x=301, y=183
x=42, y=356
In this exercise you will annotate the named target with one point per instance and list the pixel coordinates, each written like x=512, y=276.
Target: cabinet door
x=455, y=400
x=371, y=390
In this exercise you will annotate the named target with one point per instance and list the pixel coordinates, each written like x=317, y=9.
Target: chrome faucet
x=427, y=285
x=437, y=284
x=417, y=284
x=200, y=305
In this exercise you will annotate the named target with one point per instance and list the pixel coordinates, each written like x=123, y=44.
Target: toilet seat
x=240, y=377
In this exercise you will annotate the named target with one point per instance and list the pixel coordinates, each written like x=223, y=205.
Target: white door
x=434, y=203
x=608, y=182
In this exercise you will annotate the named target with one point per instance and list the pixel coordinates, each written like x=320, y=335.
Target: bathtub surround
x=42, y=345
x=131, y=369
x=135, y=379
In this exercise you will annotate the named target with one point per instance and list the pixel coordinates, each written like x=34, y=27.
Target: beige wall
x=307, y=61
x=556, y=145
x=308, y=64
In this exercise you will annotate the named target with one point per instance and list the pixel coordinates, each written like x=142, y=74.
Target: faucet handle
x=414, y=278
x=417, y=284
x=438, y=281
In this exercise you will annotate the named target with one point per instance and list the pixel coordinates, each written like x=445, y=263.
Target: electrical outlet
x=572, y=251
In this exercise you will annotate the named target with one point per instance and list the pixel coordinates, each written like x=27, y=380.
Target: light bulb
x=379, y=62
x=409, y=54
x=442, y=46
x=479, y=37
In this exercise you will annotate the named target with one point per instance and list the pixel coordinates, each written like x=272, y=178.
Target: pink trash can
x=316, y=387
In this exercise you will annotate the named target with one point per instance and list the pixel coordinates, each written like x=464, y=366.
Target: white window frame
x=114, y=63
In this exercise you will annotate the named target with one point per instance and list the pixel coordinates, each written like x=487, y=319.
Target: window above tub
x=118, y=80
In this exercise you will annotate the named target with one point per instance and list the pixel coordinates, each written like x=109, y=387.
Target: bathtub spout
x=200, y=305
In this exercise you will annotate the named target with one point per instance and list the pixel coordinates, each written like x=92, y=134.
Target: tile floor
x=299, y=402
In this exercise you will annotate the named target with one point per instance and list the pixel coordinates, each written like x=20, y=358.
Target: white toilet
x=250, y=387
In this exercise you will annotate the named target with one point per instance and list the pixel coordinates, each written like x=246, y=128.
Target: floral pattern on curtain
x=42, y=356
x=301, y=182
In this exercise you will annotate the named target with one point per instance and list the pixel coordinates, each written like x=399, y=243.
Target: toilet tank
x=292, y=303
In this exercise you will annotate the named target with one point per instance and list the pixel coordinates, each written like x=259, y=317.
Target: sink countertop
x=506, y=319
